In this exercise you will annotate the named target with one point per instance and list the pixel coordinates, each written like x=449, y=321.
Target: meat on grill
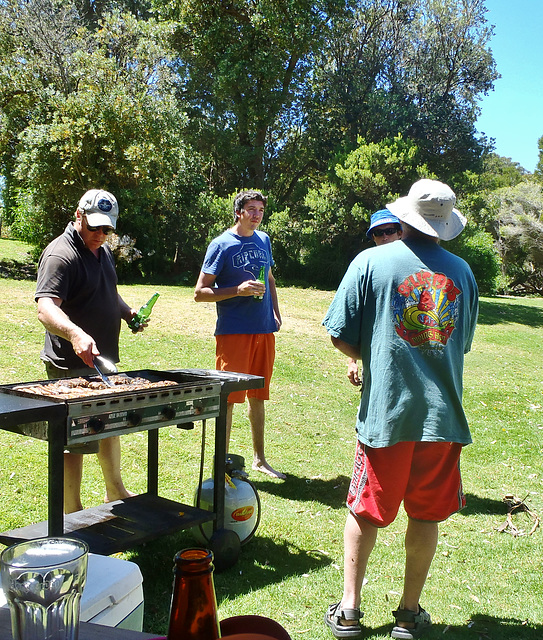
x=72, y=388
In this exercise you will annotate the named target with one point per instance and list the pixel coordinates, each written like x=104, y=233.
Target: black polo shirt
x=87, y=285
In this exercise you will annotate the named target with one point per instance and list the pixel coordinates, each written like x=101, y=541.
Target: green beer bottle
x=143, y=313
x=261, y=278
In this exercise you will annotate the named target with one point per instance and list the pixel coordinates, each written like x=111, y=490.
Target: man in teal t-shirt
x=408, y=310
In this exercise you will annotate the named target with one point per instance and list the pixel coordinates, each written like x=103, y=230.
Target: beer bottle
x=261, y=278
x=143, y=313
x=193, y=611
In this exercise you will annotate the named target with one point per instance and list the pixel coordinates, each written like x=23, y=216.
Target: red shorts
x=425, y=475
x=247, y=353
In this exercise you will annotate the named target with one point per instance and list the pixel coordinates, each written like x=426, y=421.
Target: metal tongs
x=101, y=365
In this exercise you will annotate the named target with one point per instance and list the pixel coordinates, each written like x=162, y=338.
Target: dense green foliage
x=331, y=106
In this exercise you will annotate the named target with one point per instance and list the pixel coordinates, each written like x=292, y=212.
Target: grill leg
x=220, y=462
x=152, y=462
x=55, y=496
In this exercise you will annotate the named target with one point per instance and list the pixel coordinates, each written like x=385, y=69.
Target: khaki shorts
x=53, y=373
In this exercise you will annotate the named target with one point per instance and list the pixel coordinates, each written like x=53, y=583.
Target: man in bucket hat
x=81, y=310
x=408, y=310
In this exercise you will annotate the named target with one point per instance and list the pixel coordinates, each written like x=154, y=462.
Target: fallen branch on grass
x=516, y=504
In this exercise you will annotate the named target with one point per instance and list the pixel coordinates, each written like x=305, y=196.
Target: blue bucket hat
x=381, y=217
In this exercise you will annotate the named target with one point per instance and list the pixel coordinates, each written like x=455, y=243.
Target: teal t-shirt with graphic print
x=411, y=306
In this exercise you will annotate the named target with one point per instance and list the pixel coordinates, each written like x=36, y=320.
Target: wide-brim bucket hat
x=429, y=207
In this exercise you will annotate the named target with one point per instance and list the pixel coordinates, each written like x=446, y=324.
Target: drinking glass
x=43, y=580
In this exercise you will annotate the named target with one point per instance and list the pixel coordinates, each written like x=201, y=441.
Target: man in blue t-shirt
x=408, y=310
x=247, y=311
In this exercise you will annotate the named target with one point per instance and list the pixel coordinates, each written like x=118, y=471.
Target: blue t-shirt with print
x=412, y=307
x=234, y=259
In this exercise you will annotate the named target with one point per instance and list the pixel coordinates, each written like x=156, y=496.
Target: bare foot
x=121, y=496
x=265, y=468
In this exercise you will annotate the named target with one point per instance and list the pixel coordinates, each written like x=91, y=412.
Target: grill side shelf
x=16, y=411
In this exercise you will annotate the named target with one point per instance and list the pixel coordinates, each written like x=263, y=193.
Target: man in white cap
x=408, y=310
x=81, y=310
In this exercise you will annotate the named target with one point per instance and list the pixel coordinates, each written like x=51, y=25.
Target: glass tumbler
x=43, y=580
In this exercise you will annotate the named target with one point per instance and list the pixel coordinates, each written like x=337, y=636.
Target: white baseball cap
x=429, y=207
x=100, y=207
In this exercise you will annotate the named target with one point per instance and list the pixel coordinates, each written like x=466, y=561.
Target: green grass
x=483, y=584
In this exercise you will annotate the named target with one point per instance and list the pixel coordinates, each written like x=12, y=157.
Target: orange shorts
x=247, y=353
x=425, y=475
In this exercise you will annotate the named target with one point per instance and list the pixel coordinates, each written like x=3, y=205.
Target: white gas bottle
x=240, y=508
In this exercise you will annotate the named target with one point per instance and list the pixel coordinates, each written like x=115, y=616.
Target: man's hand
x=251, y=288
x=84, y=346
x=352, y=373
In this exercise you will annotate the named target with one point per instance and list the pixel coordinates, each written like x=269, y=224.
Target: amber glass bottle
x=193, y=612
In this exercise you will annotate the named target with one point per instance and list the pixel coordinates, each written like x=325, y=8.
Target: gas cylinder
x=241, y=506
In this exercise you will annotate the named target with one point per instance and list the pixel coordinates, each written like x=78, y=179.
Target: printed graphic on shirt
x=250, y=258
x=425, y=309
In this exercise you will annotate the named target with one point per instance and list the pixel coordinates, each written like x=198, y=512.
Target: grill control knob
x=96, y=425
x=168, y=413
x=134, y=419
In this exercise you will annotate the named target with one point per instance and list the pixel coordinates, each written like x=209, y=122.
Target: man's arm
x=57, y=322
x=206, y=292
x=350, y=350
x=275, y=301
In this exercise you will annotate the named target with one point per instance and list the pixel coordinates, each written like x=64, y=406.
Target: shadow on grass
x=476, y=504
x=331, y=492
x=262, y=562
x=479, y=628
x=499, y=312
x=17, y=270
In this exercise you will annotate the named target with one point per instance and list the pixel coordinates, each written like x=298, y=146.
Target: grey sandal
x=334, y=617
x=420, y=620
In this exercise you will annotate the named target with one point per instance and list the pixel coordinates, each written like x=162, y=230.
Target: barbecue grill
x=176, y=397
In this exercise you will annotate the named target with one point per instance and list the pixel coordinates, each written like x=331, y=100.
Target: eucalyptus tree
x=242, y=65
x=415, y=67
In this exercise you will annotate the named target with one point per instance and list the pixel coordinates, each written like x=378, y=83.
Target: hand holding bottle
x=140, y=320
x=261, y=278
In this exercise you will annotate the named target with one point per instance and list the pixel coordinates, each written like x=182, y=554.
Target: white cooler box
x=113, y=594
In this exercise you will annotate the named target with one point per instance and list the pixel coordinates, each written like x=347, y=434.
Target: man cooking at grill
x=81, y=310
x=408, y=310
x=247, y=311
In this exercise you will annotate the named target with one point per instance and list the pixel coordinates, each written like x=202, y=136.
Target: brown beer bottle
x=193, y=612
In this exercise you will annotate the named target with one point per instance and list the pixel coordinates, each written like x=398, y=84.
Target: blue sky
x=512, y=114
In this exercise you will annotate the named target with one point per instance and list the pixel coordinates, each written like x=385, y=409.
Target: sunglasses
x=105, y=230
x=385, y=232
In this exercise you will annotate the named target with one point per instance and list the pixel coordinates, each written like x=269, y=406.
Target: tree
x=113, y=124
x=413, y=67
x=320, y=243
x=519, y=235
x=152, y=97
x=539, y=168
x=241, y=66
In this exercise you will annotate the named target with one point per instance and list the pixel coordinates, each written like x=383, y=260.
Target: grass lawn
x=484, y=584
